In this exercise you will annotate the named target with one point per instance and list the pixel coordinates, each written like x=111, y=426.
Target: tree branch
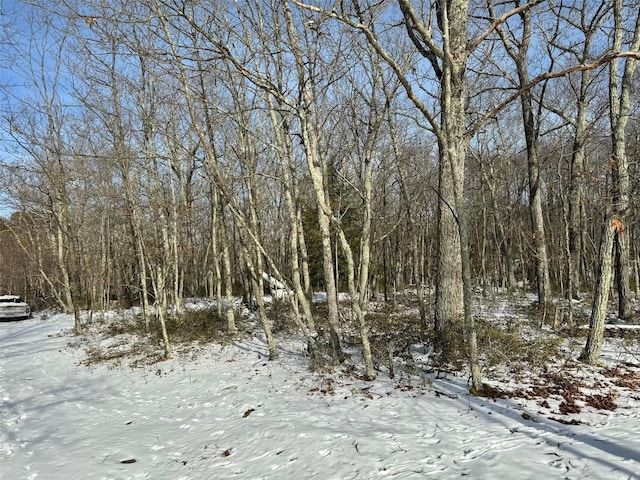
x=632, y=54
x=499, y=21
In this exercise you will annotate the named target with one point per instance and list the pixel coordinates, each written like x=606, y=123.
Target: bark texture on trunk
x=620, y=90
x=592, y=349
x=316, y=167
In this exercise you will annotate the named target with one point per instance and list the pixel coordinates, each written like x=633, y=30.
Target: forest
x=161, y=150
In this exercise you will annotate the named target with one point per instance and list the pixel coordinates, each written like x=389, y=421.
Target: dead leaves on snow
x=602, y=402
x=623, y=377
x=563, y=394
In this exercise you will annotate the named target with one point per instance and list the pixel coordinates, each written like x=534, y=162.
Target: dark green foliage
x=347, y=206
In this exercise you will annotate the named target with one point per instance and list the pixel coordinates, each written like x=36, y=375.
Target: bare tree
x=518, y=50
x=586, y=19
x=42, y=128
x=620, y=91
x=447, y=55
x=614, y=228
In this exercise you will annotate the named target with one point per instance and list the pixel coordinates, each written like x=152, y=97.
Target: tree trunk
x=68, y=301
x=620, y=104
x=257, y=287
x=415, y=233
x=356, y=303
x=453, y=283
x=591, y=351
x=502, y=239
x=315, y=165
x=215, y=287
x=535, y=206
x=576, y=192
x=333, y=314
x=297, y=250
x=173, y=253
x=449, y=306
x=160, y=290
x=228, y=275
x=636, y=271
x=518, y=51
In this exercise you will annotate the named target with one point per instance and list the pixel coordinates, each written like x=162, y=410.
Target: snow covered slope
x=229, y=413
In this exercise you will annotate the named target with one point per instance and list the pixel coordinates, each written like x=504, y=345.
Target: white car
x=12, y=307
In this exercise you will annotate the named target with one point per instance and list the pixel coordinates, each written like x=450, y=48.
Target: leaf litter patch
x=566, y=392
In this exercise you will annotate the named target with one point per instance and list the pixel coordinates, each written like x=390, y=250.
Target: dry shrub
x=203, y=325
x=391, y=335
x=282, y=317
x=516, y=349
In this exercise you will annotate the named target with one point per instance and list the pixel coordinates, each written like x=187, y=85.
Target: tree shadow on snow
x=509, y=410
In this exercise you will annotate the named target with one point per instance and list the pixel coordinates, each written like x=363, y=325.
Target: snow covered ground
x=229, y=413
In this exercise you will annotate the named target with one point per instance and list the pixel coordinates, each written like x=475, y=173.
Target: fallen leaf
x=248, y=412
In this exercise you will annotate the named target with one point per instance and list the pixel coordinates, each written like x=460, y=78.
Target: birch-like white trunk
x=228, y=277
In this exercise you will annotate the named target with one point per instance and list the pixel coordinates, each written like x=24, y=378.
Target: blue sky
x=16, y=31
x=9, y=16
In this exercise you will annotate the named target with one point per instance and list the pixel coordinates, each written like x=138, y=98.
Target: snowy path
x=231, y=414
